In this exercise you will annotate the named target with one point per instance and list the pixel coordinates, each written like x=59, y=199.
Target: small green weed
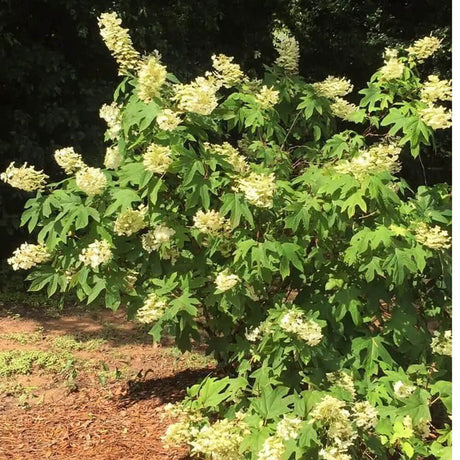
x=23, y=337
x=70, y=343
x=24, y=361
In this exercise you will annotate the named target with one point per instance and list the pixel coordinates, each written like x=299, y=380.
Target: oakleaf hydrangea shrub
x=265, y=217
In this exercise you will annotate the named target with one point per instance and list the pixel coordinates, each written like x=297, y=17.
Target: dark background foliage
x=55, y=71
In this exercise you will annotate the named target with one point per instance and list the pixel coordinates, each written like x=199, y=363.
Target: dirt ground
x=103, y=400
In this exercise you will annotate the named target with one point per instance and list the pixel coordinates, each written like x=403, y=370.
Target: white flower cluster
x=119, y=42
x=393, y=67
x=168, y=120
x=432, y=237
x=424, y=48
x=442, y=343
x=157, y=158
x=342, y=380
x=288, y=50
x=152, y=310
x=436, y=116
x=199, y=96
x=152, y=76
x=28, y=256
x=225, y=281
x=375, y=160
x=111, y=114
x=130, y=221
x=69, y=160
x=97, y=253
x=343, y=109
x=364, y=415
x=231, y=154
x=228, y=73
x=331, y=413
x=403, y=390
x=308, y=330
x=435, y=89
x=211, y=223
x=221, y=440
x=153, y=239
x=113, y=158
x=333, y=87
x=267, y=97
x=91, y=181
x=24, y=178
x=273, y=447
x=258, y=189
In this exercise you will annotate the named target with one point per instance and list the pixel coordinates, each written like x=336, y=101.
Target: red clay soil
x=122, y=420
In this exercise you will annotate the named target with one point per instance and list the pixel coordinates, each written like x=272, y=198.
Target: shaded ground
x=88, y=386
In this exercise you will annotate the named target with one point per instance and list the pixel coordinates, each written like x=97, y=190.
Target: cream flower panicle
x=294, y=322
x=288, y=50
x=111, y=114
x=436, y=116
x=342, y=380
x=168, y=120
x=130, y=221
x=152, y=76
x=113, y=158
x=91, y=181
x=24, y=177
x=210, y=222
x=432, y=237
x=199, y=96
x=69, y=160
x=228, y=73
x=364, y=415
x=424, y=48
x=231, y=154
x=273, y=448
x=343, y=109
x=288, y=428
x=435, y=89
x=118, y=41
x=442, y=343
x=152, y=310
x=267, y=97
x=403, y=390
x=258, y=189
x=153, y=239
x=28, y=256
x=226, y=280
x=157, y=158
x=96, y=254
x=392, y=69
x=333, y=87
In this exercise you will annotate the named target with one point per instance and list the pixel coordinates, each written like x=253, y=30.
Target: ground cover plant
x=265, y=218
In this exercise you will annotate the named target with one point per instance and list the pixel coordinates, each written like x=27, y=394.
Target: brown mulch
x=120, y=420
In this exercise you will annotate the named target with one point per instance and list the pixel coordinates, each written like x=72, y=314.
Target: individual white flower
x=92, y=181
x=157, y=158
x=97, y=253
x=442, y=343
x=119, y=42
x=152, y=310
x=28, y=256
x=308, y=330
x=333, y=87
x=267, y=97
x=225, y=281
x=151, y=76
x=112, y=159
x=130, y=221
x=69, y=160
x=402, y=390
x=24, y=177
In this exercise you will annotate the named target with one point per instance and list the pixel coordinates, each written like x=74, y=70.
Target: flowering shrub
x=265, y=218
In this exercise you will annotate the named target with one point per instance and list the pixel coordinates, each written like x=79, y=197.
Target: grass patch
x=70, y=343
x=24, y=361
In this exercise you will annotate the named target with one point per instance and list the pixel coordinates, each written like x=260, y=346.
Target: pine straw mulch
x=121, y=419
